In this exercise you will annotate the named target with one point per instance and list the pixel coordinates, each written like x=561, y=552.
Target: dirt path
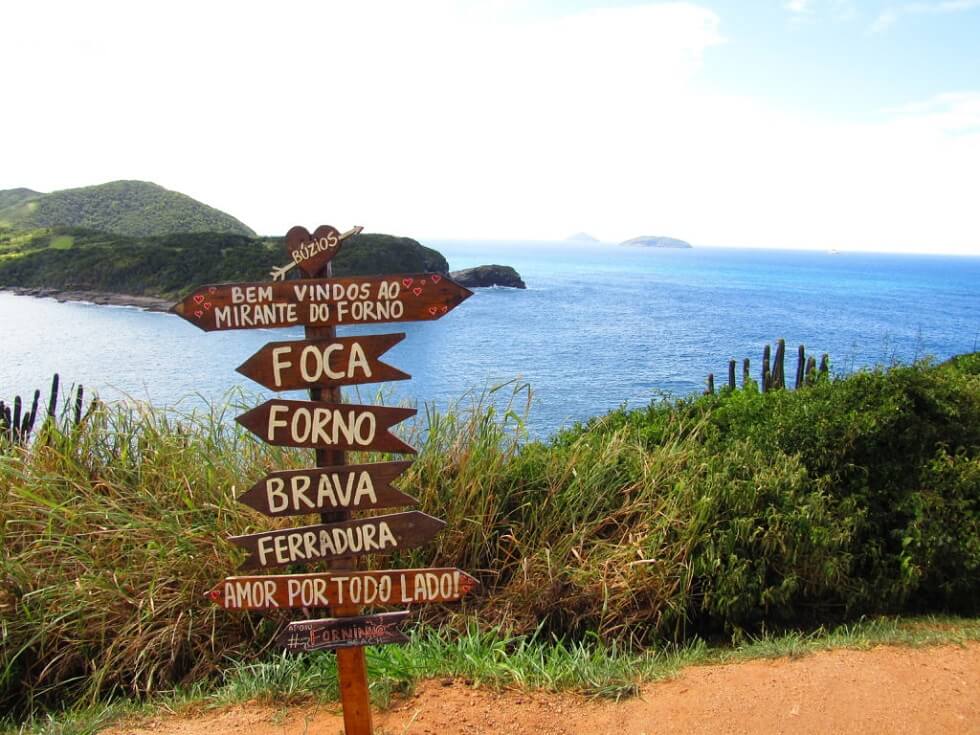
x=884, y=690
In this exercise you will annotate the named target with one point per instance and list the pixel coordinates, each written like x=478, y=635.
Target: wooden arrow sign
x=322, y=302
x=331, y=633
x=378, y=535
x=348, y=487
x=323, y=363
x=322, y=425
x=327, y=589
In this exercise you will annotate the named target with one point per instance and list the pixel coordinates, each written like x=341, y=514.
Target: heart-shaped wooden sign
x=312, y=252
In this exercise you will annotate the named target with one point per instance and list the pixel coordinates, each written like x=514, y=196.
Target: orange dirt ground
x=883, y=690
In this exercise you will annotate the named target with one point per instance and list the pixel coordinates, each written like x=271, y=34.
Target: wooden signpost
x=322, y=363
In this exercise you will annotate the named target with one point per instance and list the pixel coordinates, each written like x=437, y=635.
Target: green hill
x=169, y=266
x=12, y=197
x=132, y=208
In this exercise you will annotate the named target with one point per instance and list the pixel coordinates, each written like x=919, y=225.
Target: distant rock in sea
x=582, y=237
x=485, y=276
x=653, y=241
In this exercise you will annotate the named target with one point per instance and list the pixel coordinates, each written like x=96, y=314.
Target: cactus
x=766, y=375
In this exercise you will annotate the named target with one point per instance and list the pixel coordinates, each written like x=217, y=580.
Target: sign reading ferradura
x=390, y=587
x=322, y=302
x=323, y=362
x=378, y=535
x=366, y=630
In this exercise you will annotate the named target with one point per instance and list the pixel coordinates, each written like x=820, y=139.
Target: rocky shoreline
x=102, y=298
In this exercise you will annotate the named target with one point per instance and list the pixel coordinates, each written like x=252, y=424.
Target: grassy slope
x=718, y=515
x=171, y=265
x=131, y=208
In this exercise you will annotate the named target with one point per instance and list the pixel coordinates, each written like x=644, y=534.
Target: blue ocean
x=599, y=326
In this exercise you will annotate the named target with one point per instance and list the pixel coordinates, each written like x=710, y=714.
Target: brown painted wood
x=322, y=425
x=336, y=633
x=321, y=302
x=324, y=363
x=341, y=488
x=330, y=589
x=311, y=252
x=377, y=535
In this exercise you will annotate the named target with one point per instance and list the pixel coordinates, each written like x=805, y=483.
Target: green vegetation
x=130, y=208
x=171, y=265
x=728, y=515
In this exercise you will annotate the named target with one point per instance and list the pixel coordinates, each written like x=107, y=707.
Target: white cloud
x=889, y=16
x=444, y=120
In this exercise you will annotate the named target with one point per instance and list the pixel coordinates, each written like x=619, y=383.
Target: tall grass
x=728, y=514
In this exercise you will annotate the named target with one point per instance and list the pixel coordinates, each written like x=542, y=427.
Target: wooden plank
x=329, y=589
x=322, y=425
x=325, y=541
x=324, y=363
x=347, y=632
x=321, y=302
x=341, y=488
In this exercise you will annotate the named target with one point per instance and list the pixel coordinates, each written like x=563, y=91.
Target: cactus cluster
x=773, y=370
x=16, y=424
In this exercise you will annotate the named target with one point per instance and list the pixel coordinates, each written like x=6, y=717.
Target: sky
x=790, y=124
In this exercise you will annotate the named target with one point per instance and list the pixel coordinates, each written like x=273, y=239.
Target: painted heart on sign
x=417, y=291
x=198, y=313
x=422, y=281
x=213, y=289
x=436, y=278
x=312, y=252
x=433, y=310
x=444, y=309
x=198, y=298
x=406, y=282
x=207, y=304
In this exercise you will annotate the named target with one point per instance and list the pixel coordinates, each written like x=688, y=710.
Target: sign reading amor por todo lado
x=326, y=633
x=326, y=541
x=323, y=363
x=328, y=489
x=322, y=302
x=326, y=589
x=321, y=425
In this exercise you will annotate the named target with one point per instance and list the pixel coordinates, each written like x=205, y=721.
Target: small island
x=656, y=241
x=582, y=237
x=488, y=276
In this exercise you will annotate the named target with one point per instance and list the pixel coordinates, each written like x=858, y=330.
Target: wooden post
x=731, y=375
x=355, y=695
x=711, y=385
x=824, y=365
x=746, y=373
x=800, y=367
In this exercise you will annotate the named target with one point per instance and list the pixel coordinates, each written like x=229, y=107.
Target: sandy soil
x=884, y=690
